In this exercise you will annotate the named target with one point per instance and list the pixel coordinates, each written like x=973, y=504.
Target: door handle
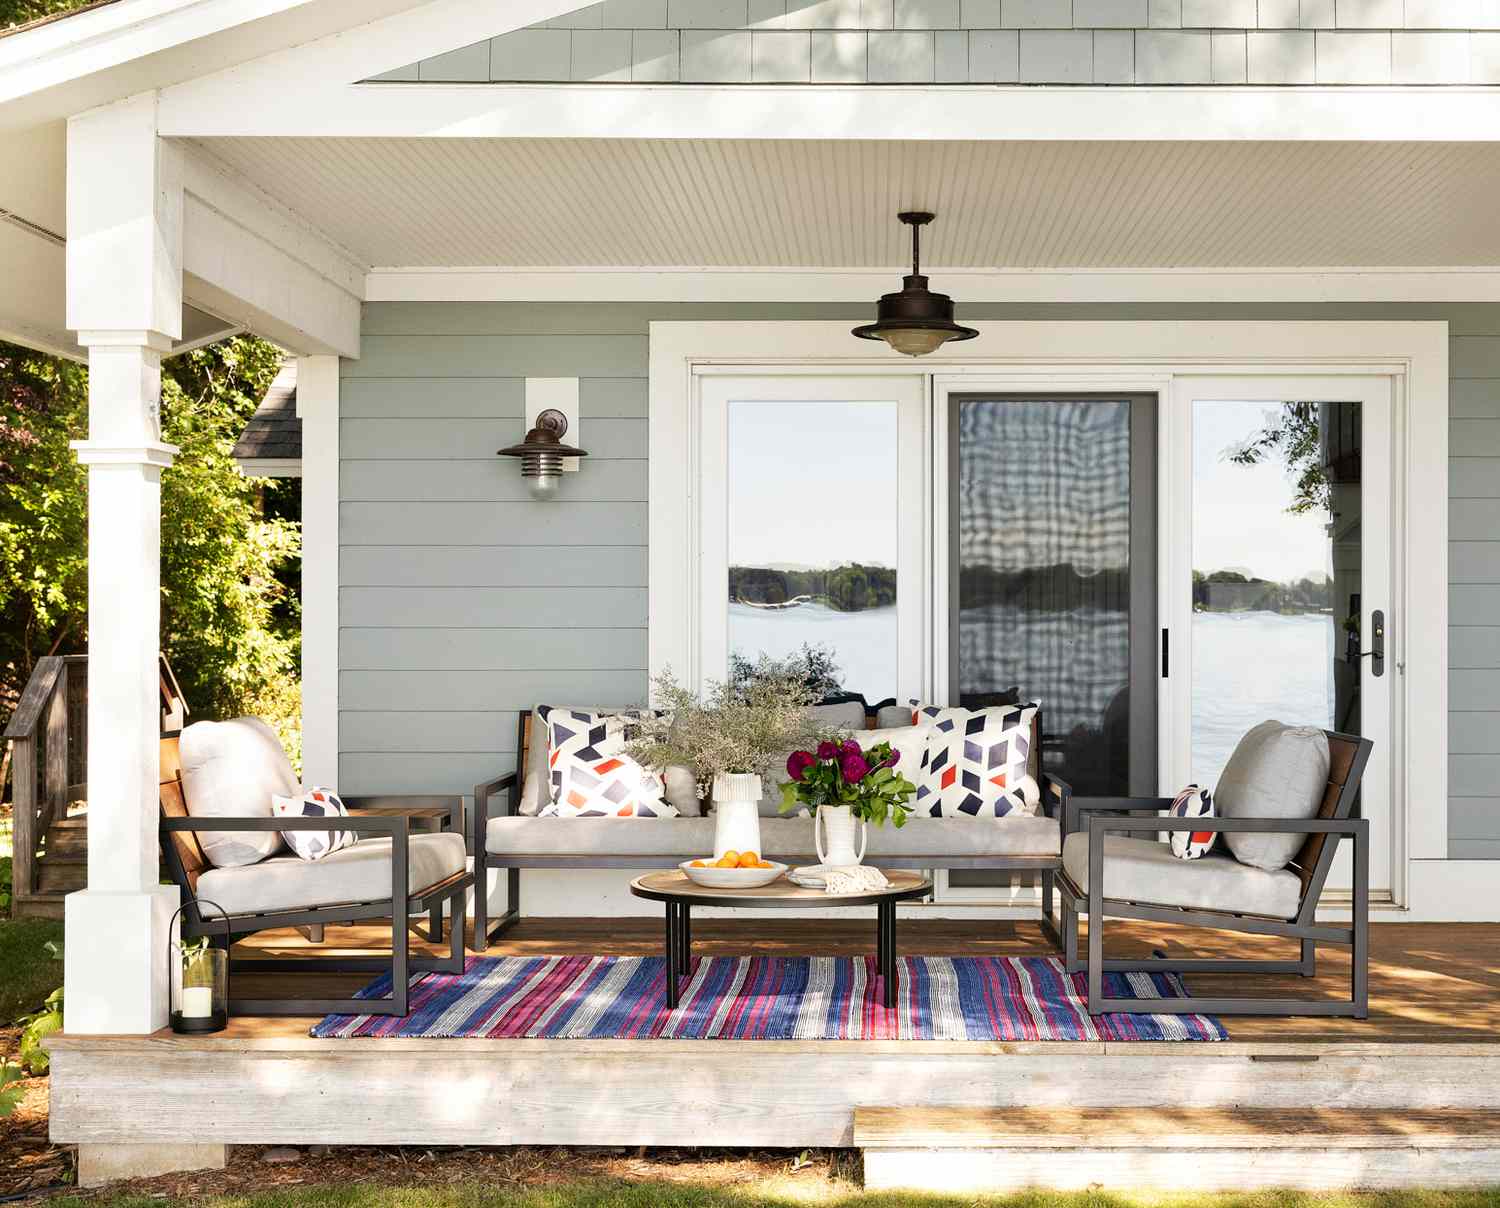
x=1376, y=652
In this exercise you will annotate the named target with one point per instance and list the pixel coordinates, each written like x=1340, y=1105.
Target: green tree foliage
x=18, y=12
x=229, y=625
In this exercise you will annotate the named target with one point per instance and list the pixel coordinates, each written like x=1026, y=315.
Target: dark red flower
x=854, y=768
x=798, y=763
x=827, y=750
x=851, y=747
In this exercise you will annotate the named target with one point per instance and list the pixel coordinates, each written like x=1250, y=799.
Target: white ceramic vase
x=736, y=799
x=841, y=827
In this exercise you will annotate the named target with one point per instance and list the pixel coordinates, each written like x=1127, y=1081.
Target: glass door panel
x=1052, y=537
x=1289, y=519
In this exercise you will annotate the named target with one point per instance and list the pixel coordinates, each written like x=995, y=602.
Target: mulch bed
x=35, y=1169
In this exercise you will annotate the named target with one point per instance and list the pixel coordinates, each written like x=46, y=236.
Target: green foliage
x=842, y=773
x=849, y=588
x=18, y=12
x=813, y=665
x=229, y=619
x=10, y=1093
x=5, y=882
x=1293, y=435
x=30, y=964
x=36, y=1028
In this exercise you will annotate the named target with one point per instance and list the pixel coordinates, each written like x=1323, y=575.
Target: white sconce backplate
x=559, y=393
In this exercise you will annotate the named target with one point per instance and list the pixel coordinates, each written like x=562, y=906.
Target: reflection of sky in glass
x=1240, y=521
x=812, y=483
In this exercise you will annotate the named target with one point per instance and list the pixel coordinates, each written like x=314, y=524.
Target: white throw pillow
x=566, y=730
x=976, y=764
x=1192, y=802
x=1276, y=771
x=313, y=803
x=615, y=786
x=232, y=769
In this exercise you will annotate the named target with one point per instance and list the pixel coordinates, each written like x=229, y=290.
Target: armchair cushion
x=359, y=873
x=1276, y=771
x=1145, y=871
x=232, y=769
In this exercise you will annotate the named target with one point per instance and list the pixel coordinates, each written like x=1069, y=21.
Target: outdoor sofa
x=505, y=833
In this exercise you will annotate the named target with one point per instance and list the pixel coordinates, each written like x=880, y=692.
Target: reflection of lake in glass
x=1250, y=667
x=863, y=643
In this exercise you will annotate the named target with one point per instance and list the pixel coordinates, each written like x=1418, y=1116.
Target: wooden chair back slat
x=190, y=861
x=1346, y=759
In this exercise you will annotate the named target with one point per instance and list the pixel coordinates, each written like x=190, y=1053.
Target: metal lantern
x=197, y=978
x=915, y=321
x=542, y=454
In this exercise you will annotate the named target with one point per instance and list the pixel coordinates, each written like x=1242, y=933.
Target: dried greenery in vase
x=746, y=727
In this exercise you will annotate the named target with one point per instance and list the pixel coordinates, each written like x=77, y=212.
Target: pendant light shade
x=542, y=454
x=915, y=321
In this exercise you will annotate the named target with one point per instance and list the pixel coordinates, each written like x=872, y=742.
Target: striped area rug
x=771, y=998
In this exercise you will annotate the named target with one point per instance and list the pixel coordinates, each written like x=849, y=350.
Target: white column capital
x=97, y=453
x=158, y=341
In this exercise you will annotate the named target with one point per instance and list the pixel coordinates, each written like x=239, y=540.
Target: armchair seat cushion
x=359, y=873
x=689, y=838
x=1145, y=871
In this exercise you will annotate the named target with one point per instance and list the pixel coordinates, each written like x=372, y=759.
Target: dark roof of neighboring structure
x=274, y=431
x=51, y=18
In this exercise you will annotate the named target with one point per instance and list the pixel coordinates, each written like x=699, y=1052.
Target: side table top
x=674, y=885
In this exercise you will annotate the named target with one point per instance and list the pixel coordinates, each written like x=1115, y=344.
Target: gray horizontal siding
x=455, y=585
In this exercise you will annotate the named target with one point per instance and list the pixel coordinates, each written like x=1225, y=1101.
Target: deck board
x=1430, y=983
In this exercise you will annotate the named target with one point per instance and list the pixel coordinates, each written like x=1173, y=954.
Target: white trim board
x=318, y=387
x=863, y=285
x=1415, y=353
x=290, y=95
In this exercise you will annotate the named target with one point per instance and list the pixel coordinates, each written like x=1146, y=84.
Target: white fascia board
x=327, y=66
x=303, y=103
x=657, y=284
x=102, y=55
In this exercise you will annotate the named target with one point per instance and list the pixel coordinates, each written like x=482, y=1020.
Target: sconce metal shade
x=915, y=321
x=542, y=454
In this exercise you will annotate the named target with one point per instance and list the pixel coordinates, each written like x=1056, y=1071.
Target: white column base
x=101, y=1164
x=115, y=960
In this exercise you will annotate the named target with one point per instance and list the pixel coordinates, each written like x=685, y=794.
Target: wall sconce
x=542, y=454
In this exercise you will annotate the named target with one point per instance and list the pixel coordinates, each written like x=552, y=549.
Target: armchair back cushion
x=232, y=769
x=1276, y=771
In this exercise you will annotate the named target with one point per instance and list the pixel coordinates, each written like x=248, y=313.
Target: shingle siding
x=461, y=601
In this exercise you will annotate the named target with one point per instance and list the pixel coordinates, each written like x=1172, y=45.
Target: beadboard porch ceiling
x=741, y=203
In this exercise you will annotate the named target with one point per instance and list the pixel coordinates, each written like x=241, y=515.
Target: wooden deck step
x=1187, y=1149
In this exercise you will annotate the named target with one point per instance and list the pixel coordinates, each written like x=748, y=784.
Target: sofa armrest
x=1078, y=809
x=1056, y=793
x=482, y=794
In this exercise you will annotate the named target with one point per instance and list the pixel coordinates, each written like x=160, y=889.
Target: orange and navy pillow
x=976, y=763
x=608, y=786
x=313, y=803
x=1193, y=802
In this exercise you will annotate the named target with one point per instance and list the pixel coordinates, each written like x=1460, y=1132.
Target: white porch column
x=125, y=302
x=318, y=408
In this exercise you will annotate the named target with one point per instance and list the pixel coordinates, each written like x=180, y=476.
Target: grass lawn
x=828, y=1193
x=27, y=973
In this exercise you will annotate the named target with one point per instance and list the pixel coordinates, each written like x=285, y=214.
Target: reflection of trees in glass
x=853, y=587
x=1231, y=591
x=814, y=666
x=1294, y=435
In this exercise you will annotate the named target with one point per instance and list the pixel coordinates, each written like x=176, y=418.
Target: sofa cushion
x=1276, y=771
x=361, y=873
x=977, y=764
x=232, y=769
x=889, y=716
x=689, y=838
x=1143, y=870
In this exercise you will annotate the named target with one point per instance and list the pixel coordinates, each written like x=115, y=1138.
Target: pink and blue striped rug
x=771, y=998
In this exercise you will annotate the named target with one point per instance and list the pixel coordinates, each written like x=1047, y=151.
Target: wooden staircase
x=49, y=737
x=1177, y=1149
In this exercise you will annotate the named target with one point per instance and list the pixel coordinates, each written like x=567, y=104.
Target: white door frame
x=1101, y=355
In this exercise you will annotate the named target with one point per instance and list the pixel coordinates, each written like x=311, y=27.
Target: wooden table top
x=675, y=885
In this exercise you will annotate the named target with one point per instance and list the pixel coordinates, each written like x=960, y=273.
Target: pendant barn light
x=915, y=321
x=542, y=454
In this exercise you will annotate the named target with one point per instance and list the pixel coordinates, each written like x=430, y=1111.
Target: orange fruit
x=763, y=864
x=731, y=854
x=749, y=860
x=697, y=864
x=726, y=862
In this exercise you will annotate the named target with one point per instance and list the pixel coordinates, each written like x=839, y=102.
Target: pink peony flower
x=854, y=768
x=798, y=763
x=851, y=747
x=827, y=750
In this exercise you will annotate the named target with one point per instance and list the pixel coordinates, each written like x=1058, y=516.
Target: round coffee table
x=681, y=894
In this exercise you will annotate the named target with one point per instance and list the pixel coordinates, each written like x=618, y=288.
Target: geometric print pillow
x=614, y=786
x=1192, y=802
x=313, y=803
x=585, y=735
x=976, y=763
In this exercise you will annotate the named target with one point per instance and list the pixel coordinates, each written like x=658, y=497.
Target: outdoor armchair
x=1112, y=868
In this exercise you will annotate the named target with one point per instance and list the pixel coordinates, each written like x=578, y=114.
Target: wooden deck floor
x=1429, y=983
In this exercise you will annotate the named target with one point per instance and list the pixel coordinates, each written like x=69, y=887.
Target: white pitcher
x=841, y=825
x=736, y=799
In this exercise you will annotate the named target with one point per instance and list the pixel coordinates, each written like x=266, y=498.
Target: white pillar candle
x=197, y=1002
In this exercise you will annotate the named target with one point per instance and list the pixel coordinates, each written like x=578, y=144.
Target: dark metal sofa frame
x=1335, y=820
x=183, y=860
x=1055, y=797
